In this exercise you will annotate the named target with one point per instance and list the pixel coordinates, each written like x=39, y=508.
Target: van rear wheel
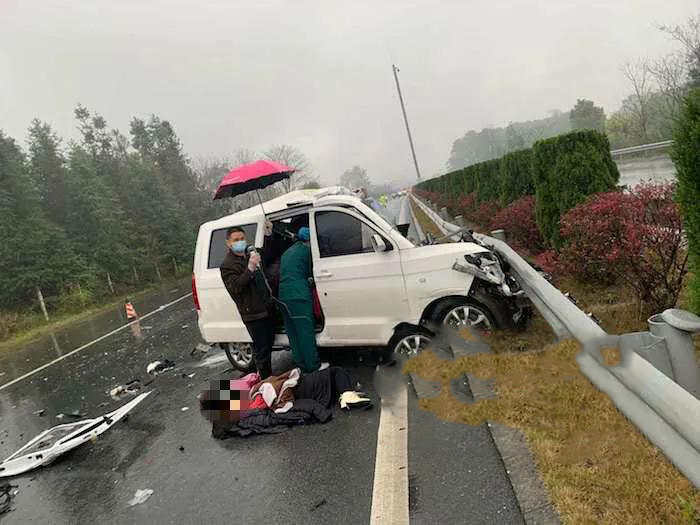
x=240, y=355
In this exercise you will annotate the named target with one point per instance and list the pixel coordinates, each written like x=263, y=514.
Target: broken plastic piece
x=55, y=441
x=140, y=496
x=157, y=367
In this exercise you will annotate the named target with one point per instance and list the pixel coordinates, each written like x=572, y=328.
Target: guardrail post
x=40, y=296
x=459, y=221
x=443, y=213
x=499, y=234
x=676, y=327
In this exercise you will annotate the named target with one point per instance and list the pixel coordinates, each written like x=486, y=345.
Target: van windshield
x=217, y=243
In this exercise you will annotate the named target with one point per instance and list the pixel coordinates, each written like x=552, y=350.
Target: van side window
x=341, y=234
x=217, y=244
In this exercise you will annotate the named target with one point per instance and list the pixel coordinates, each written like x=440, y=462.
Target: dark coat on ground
x=304, y=412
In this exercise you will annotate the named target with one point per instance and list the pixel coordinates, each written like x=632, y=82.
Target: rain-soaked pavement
x=315, y=474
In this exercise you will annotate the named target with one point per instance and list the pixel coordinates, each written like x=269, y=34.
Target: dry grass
x=596, y=466
x=426, y=223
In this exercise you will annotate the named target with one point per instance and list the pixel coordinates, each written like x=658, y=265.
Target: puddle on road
x=19, y=359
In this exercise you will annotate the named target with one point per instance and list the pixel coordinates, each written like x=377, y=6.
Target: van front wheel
x=240, y=355
x=463, y=312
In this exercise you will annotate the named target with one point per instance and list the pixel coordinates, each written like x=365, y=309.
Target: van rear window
x=217, y=244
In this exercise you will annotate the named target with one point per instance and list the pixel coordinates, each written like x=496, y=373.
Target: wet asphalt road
x=315, y=474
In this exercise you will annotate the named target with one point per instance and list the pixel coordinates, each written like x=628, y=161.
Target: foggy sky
x=230, y=74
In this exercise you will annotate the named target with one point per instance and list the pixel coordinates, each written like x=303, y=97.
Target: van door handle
x=323, y=274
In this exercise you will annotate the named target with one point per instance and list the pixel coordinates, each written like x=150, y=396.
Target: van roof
x=284, y=202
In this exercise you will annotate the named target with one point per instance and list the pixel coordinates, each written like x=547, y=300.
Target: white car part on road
x=50, y=444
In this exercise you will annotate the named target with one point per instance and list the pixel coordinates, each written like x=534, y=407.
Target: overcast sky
x=230, y=74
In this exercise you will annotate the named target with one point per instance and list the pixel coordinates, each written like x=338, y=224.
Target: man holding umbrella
x=241, y=271
x=245, y=283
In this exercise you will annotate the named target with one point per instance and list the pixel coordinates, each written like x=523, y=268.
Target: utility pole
x=405, y=119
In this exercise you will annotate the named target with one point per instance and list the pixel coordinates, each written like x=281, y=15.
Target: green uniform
x=295, y=292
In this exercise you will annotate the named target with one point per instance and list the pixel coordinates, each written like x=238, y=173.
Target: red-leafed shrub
x=520, y=224
x=633, y=237
x=549, y=262
x=483, y=214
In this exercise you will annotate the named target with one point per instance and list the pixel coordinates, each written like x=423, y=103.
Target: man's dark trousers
x=262, y=332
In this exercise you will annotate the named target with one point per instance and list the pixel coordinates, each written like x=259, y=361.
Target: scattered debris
x=40, y=412
x=181, y=448
x=158, y=367
x=201, y=347
x=6, y=495
x=318, y=505
x=51, y=443
x=184, y=409
x=120, y=391
x=75, y=414
x=184, y=375
x=184, y=326
x=141, y=496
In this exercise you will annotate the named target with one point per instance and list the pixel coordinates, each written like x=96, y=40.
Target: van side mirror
x=378, y=243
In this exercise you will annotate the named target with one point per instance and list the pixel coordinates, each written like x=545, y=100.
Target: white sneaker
x=352, y=399
x=323, y=366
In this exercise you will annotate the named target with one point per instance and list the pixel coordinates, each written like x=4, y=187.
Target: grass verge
x=597, y=467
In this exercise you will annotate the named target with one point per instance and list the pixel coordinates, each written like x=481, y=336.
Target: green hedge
x=686, y=157
x=516, y=176
x=566, y=169
x=561, y=171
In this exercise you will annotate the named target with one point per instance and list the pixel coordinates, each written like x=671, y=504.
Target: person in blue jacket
x=296, y=278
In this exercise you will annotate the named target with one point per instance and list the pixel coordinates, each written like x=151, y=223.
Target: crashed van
x=375, y=287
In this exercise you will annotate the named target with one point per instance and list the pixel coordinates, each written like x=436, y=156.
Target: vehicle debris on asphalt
x=75, y=414
x=160, y=366
x=51, y=443
x=7, y=492
x=121, y=391
x=140, y=497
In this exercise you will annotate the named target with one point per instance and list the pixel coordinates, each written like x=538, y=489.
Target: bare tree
x=670, y=74
x=638, y=74
x=292, y=157
x=688, y=35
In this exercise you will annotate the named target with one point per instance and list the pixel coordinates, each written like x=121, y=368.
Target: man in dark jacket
x=242, y=276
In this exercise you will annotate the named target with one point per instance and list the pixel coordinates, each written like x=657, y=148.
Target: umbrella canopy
x=253, y=176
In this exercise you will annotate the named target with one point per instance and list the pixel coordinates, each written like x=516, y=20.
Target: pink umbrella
x=253, y=176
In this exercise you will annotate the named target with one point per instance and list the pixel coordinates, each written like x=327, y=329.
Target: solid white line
x=390, y=493
x=42, y=367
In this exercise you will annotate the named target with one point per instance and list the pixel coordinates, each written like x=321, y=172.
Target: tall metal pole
x=405, y=119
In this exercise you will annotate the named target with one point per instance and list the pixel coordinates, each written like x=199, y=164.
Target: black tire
x=402, y=334
x=458, y=306
x=234, y=352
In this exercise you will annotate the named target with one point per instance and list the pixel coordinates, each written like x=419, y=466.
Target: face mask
x=239, y=246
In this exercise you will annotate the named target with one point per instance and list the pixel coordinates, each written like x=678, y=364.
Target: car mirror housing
x=378, y=243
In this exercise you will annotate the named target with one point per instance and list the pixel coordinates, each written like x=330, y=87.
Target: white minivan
x=375, y=287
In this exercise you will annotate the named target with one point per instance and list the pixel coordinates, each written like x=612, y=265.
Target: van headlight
x=482, y=265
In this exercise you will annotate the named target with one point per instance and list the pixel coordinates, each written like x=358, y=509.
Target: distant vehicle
x=375, y=287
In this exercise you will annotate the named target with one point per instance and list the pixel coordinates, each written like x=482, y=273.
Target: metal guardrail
x=664, y=411
x=643, y=147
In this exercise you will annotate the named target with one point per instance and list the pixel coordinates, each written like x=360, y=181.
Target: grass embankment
x=21, y=327
x=597, y=467
x=426, y=224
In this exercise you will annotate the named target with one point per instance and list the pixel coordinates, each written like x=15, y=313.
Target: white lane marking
x=390, y=493
x=42, y=367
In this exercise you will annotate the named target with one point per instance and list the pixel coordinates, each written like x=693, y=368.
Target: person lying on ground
x=236, y=408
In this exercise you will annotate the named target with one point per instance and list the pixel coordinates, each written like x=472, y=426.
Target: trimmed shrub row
x=560, y=172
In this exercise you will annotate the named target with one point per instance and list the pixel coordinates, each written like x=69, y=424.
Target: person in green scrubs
x=296, y=276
